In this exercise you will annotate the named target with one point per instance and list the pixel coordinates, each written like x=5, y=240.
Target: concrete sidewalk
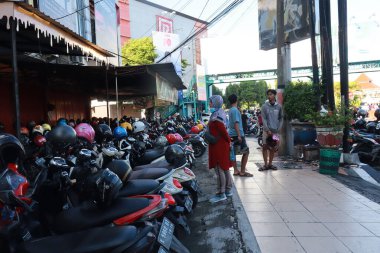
x=300, y=210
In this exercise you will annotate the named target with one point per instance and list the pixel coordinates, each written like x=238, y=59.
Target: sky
x=233, y=43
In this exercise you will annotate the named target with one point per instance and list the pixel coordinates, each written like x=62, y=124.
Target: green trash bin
x=329, y=161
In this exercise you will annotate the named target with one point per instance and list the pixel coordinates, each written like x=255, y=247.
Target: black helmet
x=61, y=137
x=362, y=113
x=181, y=130
x=11, y=150
x=102, y=131
x=371, y=127
x=175, y=155
x=160, y=142
x=108, y=185
x=360, y=124
x=31, y=124
x=377, y=114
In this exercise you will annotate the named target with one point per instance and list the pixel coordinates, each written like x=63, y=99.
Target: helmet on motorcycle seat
x=160, y=142
x=181, y=130
x=178, y=137
x=138, y=127
x=108, y=185
x=171, y=138
x=175, y=155
x=85, y=131
x=72, y=123
x=39, y=140
x=122, y=168
x=24, y=131
x=11, y=150
x=61, y=121
x=38, y=129
x=61, y=137
x=195, y=130
x=200, y=126
x=377, y=114
x=139, y=148
x=46, y=127
x=102, y=131
x=360, y=124
x=371, y=127
x=120, y=133
x=362, y=113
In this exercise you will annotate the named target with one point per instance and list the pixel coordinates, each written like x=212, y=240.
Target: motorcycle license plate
x=189, y=204
x=162, y=250
x=165, y=236
x=194, y=185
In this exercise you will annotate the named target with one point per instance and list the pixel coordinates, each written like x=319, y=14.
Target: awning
x=38, y=33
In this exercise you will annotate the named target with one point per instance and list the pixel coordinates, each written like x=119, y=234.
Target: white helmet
x=138, y=126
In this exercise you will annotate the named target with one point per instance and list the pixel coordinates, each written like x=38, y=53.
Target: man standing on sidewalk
x=271, y=113
x=235, y=130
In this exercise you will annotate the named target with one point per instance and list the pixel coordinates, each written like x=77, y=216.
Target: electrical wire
x=81, y=9
x=225, y=11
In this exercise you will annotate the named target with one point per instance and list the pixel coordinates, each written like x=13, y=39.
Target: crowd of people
x=229, y=140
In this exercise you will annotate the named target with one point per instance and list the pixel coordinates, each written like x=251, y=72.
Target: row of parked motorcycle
x=365, y=136
x=88, y=188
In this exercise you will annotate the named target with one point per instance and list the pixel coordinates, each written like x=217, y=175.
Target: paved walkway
x=300, y=210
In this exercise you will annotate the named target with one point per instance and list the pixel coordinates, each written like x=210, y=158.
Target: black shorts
x=240, y=148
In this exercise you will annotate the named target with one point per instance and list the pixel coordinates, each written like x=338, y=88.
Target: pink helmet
x=85, y=131
x=178, y=137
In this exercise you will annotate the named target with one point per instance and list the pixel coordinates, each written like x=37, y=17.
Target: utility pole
x=343, y=59
x=283, y=77
x=326, y=48
x=314, y=58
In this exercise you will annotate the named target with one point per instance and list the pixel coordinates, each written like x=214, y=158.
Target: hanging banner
x=201, y=83
x=164, y=44
x=165, y=91
x=296, y=22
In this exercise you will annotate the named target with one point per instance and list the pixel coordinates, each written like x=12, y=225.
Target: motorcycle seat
x=159, y=164
x=99, y=240
x=89, y=215
x=148, y=173
x=151, y=155
x=138, y=187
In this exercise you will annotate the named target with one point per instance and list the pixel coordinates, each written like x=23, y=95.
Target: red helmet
x=24, y=130
x=39, y=140
x=178, y=137
x=85, y=131
x=171, y=138
x=195, y=130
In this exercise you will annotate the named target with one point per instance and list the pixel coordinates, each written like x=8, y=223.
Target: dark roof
x=171, y=10
x=27, y=40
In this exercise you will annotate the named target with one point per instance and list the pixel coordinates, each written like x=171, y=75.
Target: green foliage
x=352, y=86
x=216, y=91
x=249, y=93
x=184, y=64
x=300, y=99
x=138, y=52
x=335, y=119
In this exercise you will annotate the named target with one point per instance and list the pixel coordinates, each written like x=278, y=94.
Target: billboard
x=296, y=22
x=166, y=92
x=164, y=44
x=106, y=25
x=201, y=83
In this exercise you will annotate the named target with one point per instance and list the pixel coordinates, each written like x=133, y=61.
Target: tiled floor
x=301, y=210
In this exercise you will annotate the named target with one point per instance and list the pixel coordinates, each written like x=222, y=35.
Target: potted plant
x=300, y=99
x=329, y=127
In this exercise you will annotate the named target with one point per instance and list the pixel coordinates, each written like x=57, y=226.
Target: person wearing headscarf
x=219, y=152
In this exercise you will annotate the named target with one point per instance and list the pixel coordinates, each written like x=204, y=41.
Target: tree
x=138, y=52
x=232, y=89
x=249, y=93
x=352, y=86
x=260, y=92
x=216, y=91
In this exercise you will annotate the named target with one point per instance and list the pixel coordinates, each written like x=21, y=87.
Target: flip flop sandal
x=263, y=168
x=246, y=174
x=272, y=167
x=236, y=174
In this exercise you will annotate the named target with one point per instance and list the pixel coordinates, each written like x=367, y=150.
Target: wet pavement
x=293, y=209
